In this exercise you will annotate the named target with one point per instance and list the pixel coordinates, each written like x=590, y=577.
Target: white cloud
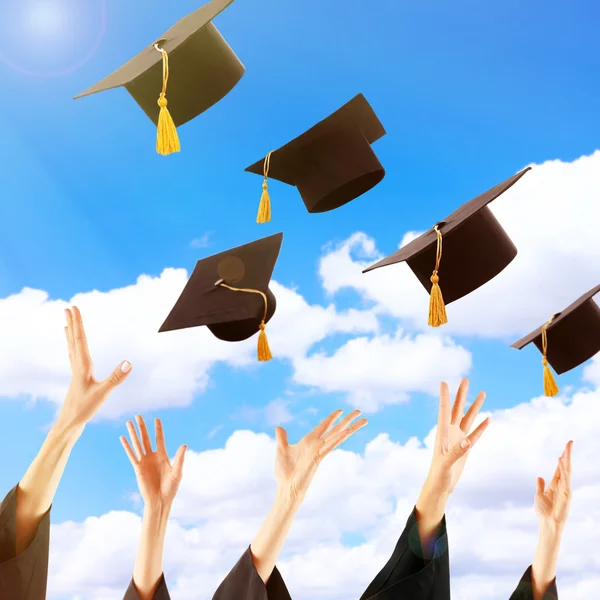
x=492, y=526
x=384, y=369
x=169, y=368
x=550, y=215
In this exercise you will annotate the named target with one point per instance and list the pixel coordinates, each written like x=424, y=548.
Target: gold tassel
x=167, y=140
x=264, y=352
x=263, y=349
x=264, y=209
x=437, y=308
x=550, y=387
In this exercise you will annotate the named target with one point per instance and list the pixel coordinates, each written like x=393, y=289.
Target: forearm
x=430, y=509
x=36, y=490
x=149, y=559
x=543, y=570
x=269, y=541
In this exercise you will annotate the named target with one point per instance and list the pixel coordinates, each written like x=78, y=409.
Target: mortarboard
x=204, y=69
x=229, y=293
x=567, y=339
x=476, y=249
x=331, y=164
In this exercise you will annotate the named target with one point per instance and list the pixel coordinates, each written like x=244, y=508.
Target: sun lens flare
x=51, y=38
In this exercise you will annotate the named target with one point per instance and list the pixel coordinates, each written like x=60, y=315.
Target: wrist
x=432, y=500
x=66, y=430
x=551, y=531
x=287, y=498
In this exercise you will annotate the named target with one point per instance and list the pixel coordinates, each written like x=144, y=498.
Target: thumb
x=459, y=450
x=178, y=461
x=540, y=484
x=117, y=377
x=281, y=437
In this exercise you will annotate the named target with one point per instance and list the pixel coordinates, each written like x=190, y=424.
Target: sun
x=45, y=18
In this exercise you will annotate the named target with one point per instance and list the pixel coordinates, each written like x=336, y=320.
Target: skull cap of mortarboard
x=331, y=164
x=203, y=69
x=229, y=293
x=572, y=336
x=475, y=249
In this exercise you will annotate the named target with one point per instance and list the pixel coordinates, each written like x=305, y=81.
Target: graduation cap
x=476, y=249
x=331, y=164
x=229, y=293
x=203, y=70
x=567, y=339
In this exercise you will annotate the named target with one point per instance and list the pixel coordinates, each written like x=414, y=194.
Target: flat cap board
x=248, y=266
x=573, y=335
x=203, y=69
x=448, y=225
x=356, y=114
x=175, y=37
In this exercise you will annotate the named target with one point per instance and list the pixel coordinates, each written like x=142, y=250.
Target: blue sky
x=469, y=92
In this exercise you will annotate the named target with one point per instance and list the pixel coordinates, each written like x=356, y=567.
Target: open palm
x=449, y=457
x=86, y=393
x=158, y=479
x=296, y=464
x=553, y=502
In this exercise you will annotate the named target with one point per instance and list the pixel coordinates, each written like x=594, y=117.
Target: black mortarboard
x=476, y=249
x=229, y=293
x=331, y=164
x=568, y=339
x=203, y=70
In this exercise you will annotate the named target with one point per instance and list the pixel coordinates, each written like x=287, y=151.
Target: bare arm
x=148, y=569
x=269, y=541
x=35, y=492
x=543, y=571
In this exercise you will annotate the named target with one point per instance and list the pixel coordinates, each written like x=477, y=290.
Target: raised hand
x=86, y=394
x=296, y=465
x=453, y=440
x=158, y=479
x=552, y=503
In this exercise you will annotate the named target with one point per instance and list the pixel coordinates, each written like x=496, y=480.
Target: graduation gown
x=244, y=583
x=162, y=593
x=524, y=590
x=407, y=576
x=23, y=577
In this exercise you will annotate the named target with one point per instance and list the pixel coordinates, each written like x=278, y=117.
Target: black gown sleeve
x=524, y=590
x=244, y=583
x=162, y=592
x=22, y=577
x=407, y=576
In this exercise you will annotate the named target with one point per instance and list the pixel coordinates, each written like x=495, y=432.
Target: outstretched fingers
x=80, y=339
x=478, y=432
x=540, y=486
x=469, y=418
x=324, y=425
x=342, y=424
x=340, y=437
x=130, y=453
x=144, y=433
x=444, y=413
x=135, y=442
x=178, y=462
x=160, y=438
x=458, y=407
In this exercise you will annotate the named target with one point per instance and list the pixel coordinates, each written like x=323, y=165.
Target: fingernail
x=126, y=366
x=464, y=444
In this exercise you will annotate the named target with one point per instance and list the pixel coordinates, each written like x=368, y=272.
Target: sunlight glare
x=45, y=18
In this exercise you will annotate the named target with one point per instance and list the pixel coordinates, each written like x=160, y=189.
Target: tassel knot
x=264, y=208
x=550, y=386
x=437, y=308
x=167, y=140
x=264, y=352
